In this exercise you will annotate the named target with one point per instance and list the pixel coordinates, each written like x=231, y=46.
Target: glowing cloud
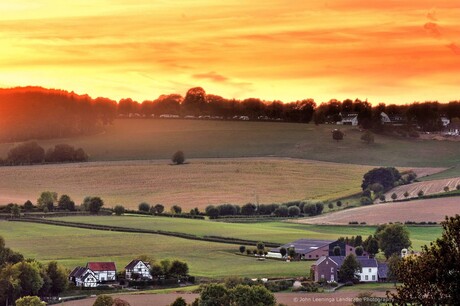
x=392, y=51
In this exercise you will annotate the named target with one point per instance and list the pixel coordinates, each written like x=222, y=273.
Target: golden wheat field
x=198, y=183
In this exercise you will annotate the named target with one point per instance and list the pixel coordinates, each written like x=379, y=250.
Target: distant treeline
x=37, y=113
x=32, y=153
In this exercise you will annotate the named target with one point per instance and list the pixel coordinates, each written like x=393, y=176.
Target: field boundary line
x=227, y=240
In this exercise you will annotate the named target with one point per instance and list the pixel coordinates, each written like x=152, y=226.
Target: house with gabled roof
x=105, y=271
x=313, y=249
x=349, y=119
x=83, y=277
x=326, y=268
x=138, y=270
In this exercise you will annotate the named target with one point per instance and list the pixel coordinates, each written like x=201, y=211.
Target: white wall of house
x=369, y=274
x=90, y=281
x=105, y=275
x=141, y=269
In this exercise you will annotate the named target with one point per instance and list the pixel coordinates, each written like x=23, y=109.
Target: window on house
x=366, y=277
x=316, y=256
x=332, y=270
x=373, y=277
x=370, y=270
x=327, y=262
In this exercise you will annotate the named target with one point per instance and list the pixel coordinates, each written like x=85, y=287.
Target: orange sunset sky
x=386, y=51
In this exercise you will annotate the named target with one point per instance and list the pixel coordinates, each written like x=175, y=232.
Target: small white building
x=369, y=270
x=83, y=277
x=349, y=119
x=138, y=269
x=445, y=121
x=104, y=271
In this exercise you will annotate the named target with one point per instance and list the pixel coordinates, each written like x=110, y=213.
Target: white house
x=83, y=277
x=104, y=271
x=349, y=119
x=369, y=269
x=138, y=269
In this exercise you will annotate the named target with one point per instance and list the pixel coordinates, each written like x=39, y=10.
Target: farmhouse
x=138, y=269
x=349, y=119
x=452, y=129
x=327, y=267
x=105, y=271
x=83, y=277
x=309, y=249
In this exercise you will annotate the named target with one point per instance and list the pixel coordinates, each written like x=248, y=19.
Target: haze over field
x=391, y=51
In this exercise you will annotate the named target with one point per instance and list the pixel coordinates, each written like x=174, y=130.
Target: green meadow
x=158, y=139
x=278, y=232
x=73, y=246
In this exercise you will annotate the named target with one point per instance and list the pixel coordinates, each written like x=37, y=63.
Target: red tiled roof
x=101, y=266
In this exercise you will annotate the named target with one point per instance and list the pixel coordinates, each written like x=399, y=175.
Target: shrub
x=248, y=209
x=178, y=158
x=330, y=205
x=119, y=210
x=281, y=211
x=145, y=207
x=310, y=209
x=293, y=211
x=420, y=194
x=242, y=249
x=394, y=196
x=339, y=203
x=365, y=201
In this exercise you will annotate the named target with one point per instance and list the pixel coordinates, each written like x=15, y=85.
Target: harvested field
x=428, y=187
x=199, y=183
x=418, y=210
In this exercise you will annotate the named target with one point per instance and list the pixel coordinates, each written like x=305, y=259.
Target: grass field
x=279, y=232
x=159, y=139
x=72, y=247
x=200, y=183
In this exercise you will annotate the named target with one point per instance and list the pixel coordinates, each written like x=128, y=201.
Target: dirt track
x=340, y=298
x=417, y=210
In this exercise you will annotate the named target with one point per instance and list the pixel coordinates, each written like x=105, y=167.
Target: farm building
x=309, y=249
x=105, y=271
x=327, y=267
x=138, y=269
x=83, y=277
x=349, y=119
x=452, y=129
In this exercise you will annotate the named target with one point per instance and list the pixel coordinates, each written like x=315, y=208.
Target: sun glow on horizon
x=393, y=52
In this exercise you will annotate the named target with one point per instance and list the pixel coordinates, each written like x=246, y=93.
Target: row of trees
x=38, y=113
x=20, y=277
x=32, y=153
x=49, y=201
x=290, y=209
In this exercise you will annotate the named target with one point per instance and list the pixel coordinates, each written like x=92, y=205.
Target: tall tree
x=349, y=269
x=47, y=199
x=432, y=278
x=393, y=238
